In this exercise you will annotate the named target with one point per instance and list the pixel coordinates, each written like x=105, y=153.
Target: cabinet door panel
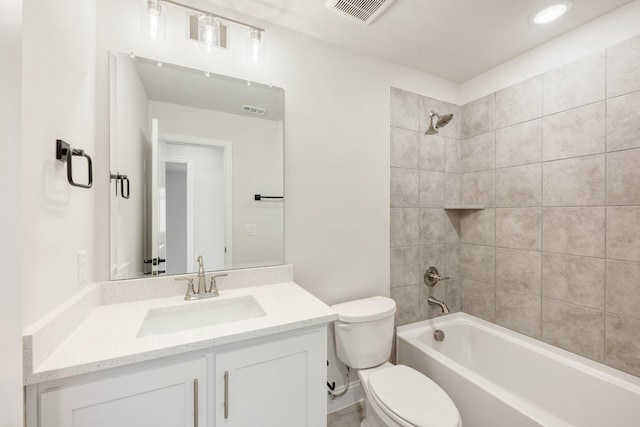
x=156, y=397
x=277, y=384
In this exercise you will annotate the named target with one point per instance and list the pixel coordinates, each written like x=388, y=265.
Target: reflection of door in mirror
x=197, y=184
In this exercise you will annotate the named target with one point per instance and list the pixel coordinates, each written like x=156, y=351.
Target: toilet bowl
x=395, y=395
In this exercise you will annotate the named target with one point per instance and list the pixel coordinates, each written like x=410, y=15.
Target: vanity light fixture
x=154, y=18
x=551, y=12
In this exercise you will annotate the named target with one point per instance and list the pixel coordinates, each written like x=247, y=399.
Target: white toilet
x=396, y=395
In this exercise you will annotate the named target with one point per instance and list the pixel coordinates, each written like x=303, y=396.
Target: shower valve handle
x=431, y=277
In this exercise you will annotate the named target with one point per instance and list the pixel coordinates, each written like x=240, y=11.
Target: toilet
x=395, y=395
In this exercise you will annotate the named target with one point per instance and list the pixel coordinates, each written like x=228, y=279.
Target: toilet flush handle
x=345, y=326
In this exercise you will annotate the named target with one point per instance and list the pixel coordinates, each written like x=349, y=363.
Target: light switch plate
x=250, y=230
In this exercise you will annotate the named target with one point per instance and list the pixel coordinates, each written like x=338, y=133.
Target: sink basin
x=192, y=315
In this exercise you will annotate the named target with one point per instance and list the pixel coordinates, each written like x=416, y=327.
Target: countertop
x=108, y=336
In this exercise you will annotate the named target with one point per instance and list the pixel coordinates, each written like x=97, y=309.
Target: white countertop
x=107, y=337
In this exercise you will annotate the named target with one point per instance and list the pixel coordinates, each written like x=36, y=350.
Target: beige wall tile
x=519, y=270
x=478, y=116
x=478, y=188
x=575, y=231
x=622, y=349
x=623, y=288
x=404, y=223
x=405, y=107
x=453, y=295
x=574, y=182
x=519, y=186
x=623, y=178
x=574, y=133
x=519, y=103
x=577, y=280
x=574, y=328
x=623, y=67
x=477, y=153
x=573, y=85
x=451, y=226
x=431, y=189
x=452, y=261
x=518, y=228
x=407, y=300
x=431, y=226
x=623, y=233
x=519, y=145
x=623, y=122
x=479, y=299
x=452, y=155
x=478, y=263
x=478, y=226
x=404, y=148
x=405, y=264
x=519, y=311
x=452, y=190
x=432, y=153
x=405, y=188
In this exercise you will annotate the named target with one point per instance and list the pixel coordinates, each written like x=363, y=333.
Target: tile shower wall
x=556, y=253
x=425, y=176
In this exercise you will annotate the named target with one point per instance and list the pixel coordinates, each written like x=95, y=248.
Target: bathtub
x=497, y=377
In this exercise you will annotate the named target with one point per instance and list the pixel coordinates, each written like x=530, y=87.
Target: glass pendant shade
x=153, y=22
x=208, y=32
x=256, y=46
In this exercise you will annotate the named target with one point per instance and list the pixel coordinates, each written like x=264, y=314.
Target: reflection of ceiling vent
x=254, y=110
x=362, y=11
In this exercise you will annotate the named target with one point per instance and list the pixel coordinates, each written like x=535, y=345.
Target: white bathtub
x=497, y=377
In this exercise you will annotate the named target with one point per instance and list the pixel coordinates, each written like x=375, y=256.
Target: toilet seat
x=410, y=397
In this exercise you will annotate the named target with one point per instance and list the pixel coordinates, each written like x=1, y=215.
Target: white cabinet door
x=162, y=397
x=276, y=384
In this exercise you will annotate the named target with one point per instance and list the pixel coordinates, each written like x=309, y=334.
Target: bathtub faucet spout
x=441, y=304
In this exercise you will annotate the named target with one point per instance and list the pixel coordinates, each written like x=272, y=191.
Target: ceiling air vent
x=254, y=110
x=362, y=11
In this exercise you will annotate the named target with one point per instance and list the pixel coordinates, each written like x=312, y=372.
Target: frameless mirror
x=196, y=169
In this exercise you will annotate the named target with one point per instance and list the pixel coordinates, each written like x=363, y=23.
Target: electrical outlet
x=250, y=230
x=82, y=268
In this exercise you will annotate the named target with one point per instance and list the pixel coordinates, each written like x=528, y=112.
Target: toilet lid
x=413, y=397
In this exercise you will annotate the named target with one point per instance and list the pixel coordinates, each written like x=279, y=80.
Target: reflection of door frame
x=190, y=210
x=226, y=148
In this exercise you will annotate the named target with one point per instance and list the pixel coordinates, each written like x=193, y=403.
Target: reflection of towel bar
x=122, y=179
x=65, y=153
x=258, y=197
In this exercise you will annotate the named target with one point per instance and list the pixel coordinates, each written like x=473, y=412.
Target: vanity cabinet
x=168, y=396
x=275, y=380
x=275, y=384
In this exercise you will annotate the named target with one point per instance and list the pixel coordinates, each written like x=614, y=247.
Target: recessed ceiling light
x=551, y=12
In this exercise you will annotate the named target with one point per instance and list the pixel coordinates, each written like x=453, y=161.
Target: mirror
x=196, y=169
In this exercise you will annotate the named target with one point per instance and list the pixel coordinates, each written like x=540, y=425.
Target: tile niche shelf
x=463, y=207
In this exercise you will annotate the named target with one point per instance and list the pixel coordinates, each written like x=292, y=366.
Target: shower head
x=443, y=120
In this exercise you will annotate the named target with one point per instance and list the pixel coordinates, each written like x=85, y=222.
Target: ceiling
x=452, y=39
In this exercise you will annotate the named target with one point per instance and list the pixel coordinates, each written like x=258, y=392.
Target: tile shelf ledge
x=463, y=207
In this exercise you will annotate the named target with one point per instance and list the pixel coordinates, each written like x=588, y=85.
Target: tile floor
x=351, y=416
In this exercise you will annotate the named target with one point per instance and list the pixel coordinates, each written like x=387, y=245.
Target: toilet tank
x=364, y=331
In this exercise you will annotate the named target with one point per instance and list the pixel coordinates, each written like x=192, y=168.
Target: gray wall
x=556, y=253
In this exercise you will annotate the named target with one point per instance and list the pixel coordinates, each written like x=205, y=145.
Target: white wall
x=257, y=154
x=10, y=223
x=592, y=37
x=132, y=132
x=58, y=98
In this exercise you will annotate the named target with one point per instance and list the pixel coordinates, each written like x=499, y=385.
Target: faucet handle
x=190, y=290
x=213, y=287
x=431, y=277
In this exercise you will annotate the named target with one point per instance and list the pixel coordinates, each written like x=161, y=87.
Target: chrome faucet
x=441, y=304
x=202, y=284
x=202, y=291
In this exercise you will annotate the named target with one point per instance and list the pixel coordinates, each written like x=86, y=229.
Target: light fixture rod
x=195, y=9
